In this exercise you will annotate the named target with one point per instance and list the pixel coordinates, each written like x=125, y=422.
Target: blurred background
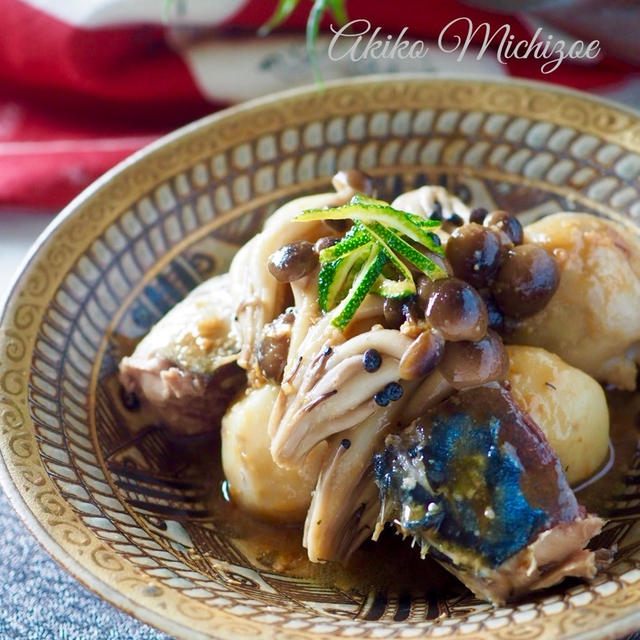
x=85, y=83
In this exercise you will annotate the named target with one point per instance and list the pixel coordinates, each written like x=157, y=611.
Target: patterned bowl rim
x=614, y=628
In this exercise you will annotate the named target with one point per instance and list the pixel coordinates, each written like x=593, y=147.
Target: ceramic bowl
x=94, y=487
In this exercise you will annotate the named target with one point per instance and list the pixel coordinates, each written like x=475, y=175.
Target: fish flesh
x=475, y=482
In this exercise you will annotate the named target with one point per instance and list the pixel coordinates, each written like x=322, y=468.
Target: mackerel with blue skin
x=475, y=481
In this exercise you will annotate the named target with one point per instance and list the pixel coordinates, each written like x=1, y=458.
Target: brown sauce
x=374, y=566
x=624, y=414
x=391, y=563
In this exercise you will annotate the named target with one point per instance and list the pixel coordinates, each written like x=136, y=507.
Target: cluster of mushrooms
x=495, y=279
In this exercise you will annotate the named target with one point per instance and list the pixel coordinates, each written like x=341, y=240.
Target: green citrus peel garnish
x=373, y=255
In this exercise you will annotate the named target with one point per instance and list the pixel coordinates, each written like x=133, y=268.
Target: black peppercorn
x=381, y=399
x=394, y=391
x=371, y=360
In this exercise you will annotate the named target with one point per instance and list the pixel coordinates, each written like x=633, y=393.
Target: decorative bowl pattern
x=97, y=492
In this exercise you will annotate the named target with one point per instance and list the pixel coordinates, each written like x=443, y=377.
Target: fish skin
x=476, y=483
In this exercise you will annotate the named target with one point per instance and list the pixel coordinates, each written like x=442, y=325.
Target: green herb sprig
x=372, y=256
x=319, y=8
x=283, y=10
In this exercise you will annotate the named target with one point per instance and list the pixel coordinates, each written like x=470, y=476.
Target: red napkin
x=87, y=82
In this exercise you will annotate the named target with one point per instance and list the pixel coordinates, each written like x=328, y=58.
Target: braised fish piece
x=184, y=370
x=476, y=483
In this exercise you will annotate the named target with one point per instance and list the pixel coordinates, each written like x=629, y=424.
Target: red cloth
x=77, y=99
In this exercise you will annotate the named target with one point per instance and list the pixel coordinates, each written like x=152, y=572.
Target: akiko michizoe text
x=358, y=40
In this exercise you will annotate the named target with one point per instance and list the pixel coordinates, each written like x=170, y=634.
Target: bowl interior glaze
x=107, y=494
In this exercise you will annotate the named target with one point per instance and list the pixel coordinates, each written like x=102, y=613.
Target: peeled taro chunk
x=476, y=483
